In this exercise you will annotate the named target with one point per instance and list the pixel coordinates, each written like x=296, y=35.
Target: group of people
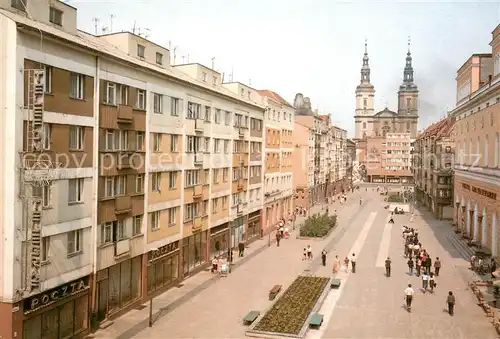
x=337, y=263
x=420, y=263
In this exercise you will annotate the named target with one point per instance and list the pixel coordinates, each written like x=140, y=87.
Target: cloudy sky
x=315, y=46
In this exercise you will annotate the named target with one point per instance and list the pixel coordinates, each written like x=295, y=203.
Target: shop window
x=163, y=272
x=124, y=284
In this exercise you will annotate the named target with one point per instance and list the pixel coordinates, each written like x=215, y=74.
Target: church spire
x=365, y=70
x=408, y=71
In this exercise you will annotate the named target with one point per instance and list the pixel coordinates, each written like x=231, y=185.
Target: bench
x=274, y=292
x=250, y=317
x=316, y=320
x=335, y=283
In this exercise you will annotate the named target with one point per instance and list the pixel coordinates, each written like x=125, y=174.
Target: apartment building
x=477, y=144
x=433, y=158
x=302, y=164
x=339, y=179
x=278, y=152
x=350, y=161
x=133, y=174
x=388, y=158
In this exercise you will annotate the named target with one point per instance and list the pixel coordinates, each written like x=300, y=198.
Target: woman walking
x=336, y=264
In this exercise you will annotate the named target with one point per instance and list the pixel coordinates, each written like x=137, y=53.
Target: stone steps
x=462, y=248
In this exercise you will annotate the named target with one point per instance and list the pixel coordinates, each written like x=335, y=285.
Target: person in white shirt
x=409, y=292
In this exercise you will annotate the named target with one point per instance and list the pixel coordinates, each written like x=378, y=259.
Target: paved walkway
x=224, y=300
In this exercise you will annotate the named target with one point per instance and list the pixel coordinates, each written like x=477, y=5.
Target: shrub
x=292, y=309
x=395, y=198
x=318, y=226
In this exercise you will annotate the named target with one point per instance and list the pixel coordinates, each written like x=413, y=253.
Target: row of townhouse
x=121, y=174
x=476, y=136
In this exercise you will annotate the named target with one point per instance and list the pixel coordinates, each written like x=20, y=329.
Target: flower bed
x=292, y=309
x=318, y=227
x=395, y=198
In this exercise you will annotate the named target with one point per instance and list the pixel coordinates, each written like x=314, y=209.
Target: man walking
x=410, y=266
x=323, y=257
x=353, y=263
x=437, y=266
x=388, y=267
x=450, y=300
x=409, y=292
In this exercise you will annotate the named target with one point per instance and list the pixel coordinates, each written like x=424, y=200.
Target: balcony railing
x=122, y=247
x=197, y=224
x=124, y=160
x=241, y=132
x=125, y=114
x=199, y=125
x=123, y=204
x=198, y=159
x=197, y=191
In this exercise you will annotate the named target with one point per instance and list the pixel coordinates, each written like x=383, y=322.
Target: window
x=227, y=118
x=204, y=77
x=192, y=178
x=139, y=183
x=48, y=79
x=109, y=140
x=172, y=180
x=156, y=142
x=154, y=218
x=121, y=140
x=75, y=190
x=120, y=230
x=107, y=233
x=191, y=211
x=215, y=175
x=174, y=143
x=47, y=133
x=172, y=216
x=110, y=94
x=225, y=174
x=141, y=99
x=155, y=181
x=46, y=196
x=45, y=254
x=206, y=147
x=193, y=144
x=139, y=141
x=55, y=16
x=174, y=107
x=157, y=103
x=215, y=80
x=19, y=4
x=194, y=111
x=214, y=205
x=74, y=243
x=141, y=51
x=226, y=146
x=159, y=58
x=217, y=116
x=120, y=185
x=216, y=145
x=122, y=98
x=137, y=225
x=77, y=84
x=206, y=176
x=208, y=113
x=109, y=187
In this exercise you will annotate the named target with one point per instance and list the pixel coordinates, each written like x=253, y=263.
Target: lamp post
x=457, y=204
x=153, y=251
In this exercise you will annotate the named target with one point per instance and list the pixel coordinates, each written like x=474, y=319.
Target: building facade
x=350, y=161
x=279, y=120
x=433, y=157
x=368, y=123
x=303, y=164
x=477, y=144
x=388, y=159
x=133, y=174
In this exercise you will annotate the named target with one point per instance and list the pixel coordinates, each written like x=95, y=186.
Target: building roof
x=441, y=129
x=386, y=113
x=275, y=96
x=98, y=46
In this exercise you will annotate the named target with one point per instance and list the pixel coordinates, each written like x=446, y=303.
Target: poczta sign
x=51, y=296
x=164, y=250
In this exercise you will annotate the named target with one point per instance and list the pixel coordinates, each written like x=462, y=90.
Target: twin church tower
x=369, y=123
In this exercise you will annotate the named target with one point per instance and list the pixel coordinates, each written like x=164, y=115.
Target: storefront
x=218, y=240
x=253, y=231
x=118, y=286
x=237, y=231
x=194, y=252
x=62, y=312
x=163, y=267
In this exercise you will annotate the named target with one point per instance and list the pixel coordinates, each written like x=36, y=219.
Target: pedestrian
x=437, y=266
x=323, y=257
x=409, y=292
x=410, y=248
x=304, y=254
x=336, y=264
x=278, y=238
x=346, y=264
x=309, y=252
x=391, y=220
x=425, y=281
x=241, y=249
x=388, y=267
x=450, y=300
x=428, y=264
x=493, y=267
x=214, y=265
x=418, y=266
x=353, y=263
x=410, y=266
x=432, y=282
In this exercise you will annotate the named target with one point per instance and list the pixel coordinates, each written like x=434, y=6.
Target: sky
x=314, y=47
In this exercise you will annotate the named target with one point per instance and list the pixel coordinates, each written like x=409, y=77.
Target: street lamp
x=457, y=204
x=153, y=251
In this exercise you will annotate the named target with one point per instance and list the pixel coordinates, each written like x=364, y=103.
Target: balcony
x=199, y=125
x=122, y=247
x=123, y=204
x=241, y=132
x=197, y=224
x=241, y=160
x=124, y=160
x=125, y=114
x=198, y=159
x=240, y=184
x=239, y=209
x=197, y=191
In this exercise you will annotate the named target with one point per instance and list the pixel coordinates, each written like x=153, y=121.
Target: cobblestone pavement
x=369, y=305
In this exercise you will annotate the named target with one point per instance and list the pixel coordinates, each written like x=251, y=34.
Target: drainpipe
x=95, y=187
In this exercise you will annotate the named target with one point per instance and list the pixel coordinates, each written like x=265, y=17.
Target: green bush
x=318, y=226
x=395, y=198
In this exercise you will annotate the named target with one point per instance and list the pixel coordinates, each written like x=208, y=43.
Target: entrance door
x=102, y=300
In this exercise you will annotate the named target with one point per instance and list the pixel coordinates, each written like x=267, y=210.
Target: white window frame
x=109, y=140
x=46, y=196
x=109, y=187
x=217, y=116
x=121, y=94
x=106, y=233
x=137, y=225
x=172, y=180
x=192, y=178
x=75, y=194
x=139, y=183
x=172, y=216
x=120, y=185
x=174, y=106
x=121, y=230
x=139, y=141
x=174, y=143
x=157, y=103
x=74, y=242
x=121, y=140
x=155, y=181
x=77, y=86
x=45, y=250
x=48, y=79
x=47, y=136
x=141, y=51
x=141, y=99
x=191, y=211
x=110, y=94
x=56, y=16
x=159, y=58
x=76, y=137
x=154, y=220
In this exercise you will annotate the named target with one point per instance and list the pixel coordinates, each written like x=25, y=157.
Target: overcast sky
x=314, y=46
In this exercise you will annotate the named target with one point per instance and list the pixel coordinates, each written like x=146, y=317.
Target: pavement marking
x=334, y=295
x=385, y=244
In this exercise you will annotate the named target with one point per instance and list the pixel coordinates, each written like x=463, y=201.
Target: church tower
x=365, y=95
x=408, y=91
